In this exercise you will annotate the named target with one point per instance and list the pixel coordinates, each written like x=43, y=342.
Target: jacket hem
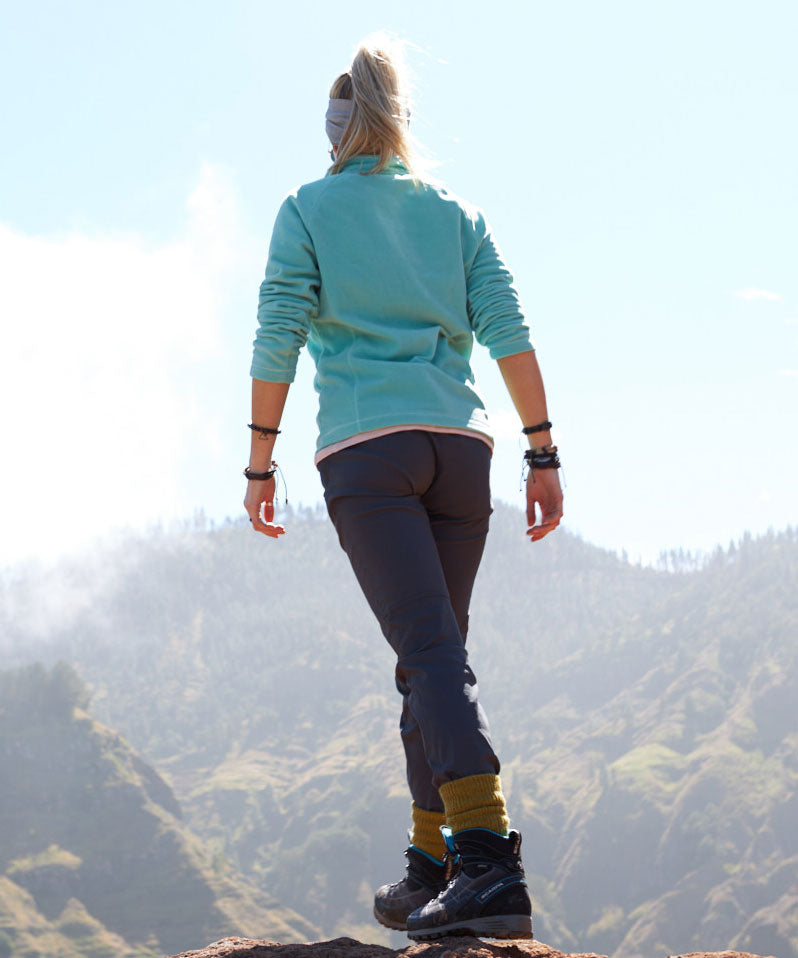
x=384, y=420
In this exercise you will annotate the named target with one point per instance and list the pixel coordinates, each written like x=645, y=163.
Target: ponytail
x=377, y=85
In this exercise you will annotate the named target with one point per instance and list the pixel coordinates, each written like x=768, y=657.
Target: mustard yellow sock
x=427, y=832
x=475, y=802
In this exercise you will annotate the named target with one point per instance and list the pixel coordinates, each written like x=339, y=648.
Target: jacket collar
x=366, y=161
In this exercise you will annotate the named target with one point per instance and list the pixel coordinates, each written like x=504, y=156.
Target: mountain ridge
x=644, y=718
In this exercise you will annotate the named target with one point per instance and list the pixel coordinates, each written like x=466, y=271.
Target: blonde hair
x=378, y=84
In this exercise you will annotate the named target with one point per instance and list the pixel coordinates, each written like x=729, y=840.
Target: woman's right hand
x=259, y=503
x=543, y=489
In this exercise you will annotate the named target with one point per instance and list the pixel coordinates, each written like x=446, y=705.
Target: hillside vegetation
x=646, y=721
x=94, y=858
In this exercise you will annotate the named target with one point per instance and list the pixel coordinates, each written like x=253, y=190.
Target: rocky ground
x=465, y=947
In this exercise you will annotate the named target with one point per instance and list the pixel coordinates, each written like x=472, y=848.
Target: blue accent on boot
x=480, y=829
x=449, y=839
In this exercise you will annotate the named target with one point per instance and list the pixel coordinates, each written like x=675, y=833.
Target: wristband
x=541, y=426
x=265, y=431
x=260, y=475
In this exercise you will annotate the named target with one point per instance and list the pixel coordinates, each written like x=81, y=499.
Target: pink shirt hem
x=387, y=430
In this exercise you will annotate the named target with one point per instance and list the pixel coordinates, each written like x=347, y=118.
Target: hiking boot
x=489, y=896
x=425, y=878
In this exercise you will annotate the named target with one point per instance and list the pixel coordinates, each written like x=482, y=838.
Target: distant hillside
x=94, y=860
x=645, y=718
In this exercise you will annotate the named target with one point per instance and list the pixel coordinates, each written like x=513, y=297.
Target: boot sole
x=492, y=926
x=395, y=925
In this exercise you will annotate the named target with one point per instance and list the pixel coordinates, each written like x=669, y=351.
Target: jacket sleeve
x=289, y=297
x=494, y=307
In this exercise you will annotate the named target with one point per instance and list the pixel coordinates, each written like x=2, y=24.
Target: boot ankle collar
x=474, y=842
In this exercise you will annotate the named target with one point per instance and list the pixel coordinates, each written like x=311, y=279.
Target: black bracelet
x=541, y=426
x=540, y=459
x=544, y=458
x=264, y=430
x=547, y=452
x=260, y=475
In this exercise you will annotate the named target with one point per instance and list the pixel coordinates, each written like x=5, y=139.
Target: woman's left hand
x=543, y=490
x=259, y=503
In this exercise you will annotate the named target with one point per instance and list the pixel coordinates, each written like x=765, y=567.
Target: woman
x=388, y=278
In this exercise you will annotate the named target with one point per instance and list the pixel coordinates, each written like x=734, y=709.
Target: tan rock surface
x=465, y=947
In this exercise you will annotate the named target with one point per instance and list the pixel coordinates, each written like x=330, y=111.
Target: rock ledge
x=465, y=947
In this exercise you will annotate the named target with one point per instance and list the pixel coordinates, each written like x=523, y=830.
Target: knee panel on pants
x=420, y=624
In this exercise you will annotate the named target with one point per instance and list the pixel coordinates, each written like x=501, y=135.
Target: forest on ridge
x=230, y=701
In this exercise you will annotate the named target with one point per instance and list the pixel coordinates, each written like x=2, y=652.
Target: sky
x=637, y=162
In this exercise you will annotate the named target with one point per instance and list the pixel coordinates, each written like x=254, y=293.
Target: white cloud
x=788, y=372
x=505, y=424
x=752, y=293
x=100, y=336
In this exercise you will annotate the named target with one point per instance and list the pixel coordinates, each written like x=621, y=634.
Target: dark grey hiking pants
x=411, y=510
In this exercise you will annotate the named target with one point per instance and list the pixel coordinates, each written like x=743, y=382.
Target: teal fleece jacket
x=388, y=280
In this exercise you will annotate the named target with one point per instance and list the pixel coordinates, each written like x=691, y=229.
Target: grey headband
x=339, y=113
